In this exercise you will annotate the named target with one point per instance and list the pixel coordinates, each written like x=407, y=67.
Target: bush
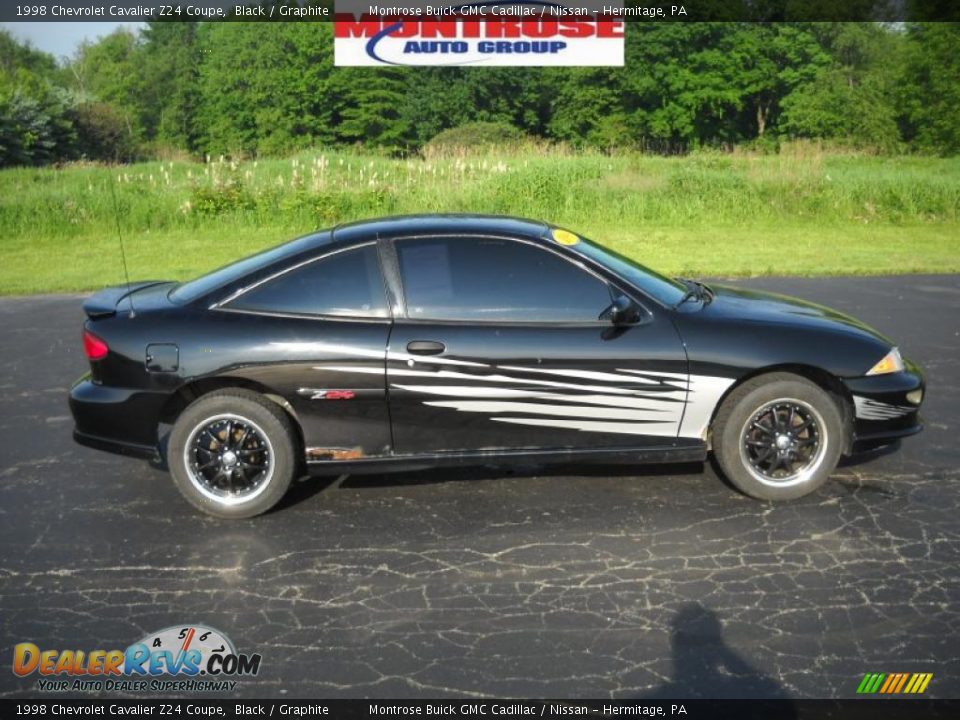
x=103, y=133
x=224, y=196
x=474, y=138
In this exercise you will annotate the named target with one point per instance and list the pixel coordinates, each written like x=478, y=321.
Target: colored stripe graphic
x=894, y=683
x=918, y=683
x=892, y=680
x=870, y=683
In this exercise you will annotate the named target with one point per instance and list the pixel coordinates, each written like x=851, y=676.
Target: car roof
x=440, y=224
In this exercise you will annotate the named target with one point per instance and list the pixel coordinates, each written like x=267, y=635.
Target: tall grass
x=178, y=218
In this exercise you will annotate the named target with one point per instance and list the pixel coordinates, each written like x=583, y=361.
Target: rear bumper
x=146, y=452
x=119, y=420
x=885, y=407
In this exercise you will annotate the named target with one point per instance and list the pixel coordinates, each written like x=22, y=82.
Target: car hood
x=768, y=307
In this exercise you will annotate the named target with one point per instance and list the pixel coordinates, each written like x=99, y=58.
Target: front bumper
x=882, y=411
x=118, y=420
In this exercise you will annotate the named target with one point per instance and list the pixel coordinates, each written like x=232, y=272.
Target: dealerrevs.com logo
x=532, y=33
x=180, y=658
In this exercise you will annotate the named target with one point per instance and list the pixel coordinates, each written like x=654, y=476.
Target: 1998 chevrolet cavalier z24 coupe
x=428, y=341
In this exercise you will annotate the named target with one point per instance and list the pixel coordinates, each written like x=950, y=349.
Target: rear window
x=189, y=291
x=347, y=283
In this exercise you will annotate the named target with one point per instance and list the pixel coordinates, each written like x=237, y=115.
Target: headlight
x=892, y=362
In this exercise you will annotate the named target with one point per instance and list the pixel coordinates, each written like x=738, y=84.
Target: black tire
x=778, y=436
x=252, y=445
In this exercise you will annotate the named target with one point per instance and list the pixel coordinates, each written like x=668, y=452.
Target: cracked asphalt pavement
x=642, y=583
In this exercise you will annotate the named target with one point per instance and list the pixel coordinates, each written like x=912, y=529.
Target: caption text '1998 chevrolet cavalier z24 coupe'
x=428, y=341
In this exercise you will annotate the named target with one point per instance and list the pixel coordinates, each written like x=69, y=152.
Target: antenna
x=123, y=255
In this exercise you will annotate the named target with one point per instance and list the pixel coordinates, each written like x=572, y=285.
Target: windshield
x=190, y=291
x=661, y=288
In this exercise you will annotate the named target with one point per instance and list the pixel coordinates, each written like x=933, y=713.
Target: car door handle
x=425, y=347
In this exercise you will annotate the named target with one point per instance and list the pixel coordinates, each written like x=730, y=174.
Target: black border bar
x=485, y=709
x=283, y=10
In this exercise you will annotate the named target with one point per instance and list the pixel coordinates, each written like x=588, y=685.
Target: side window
x=346, y=283
x=471, y=278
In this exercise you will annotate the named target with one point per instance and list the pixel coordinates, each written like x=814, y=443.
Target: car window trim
x=529, y=323
x=221, y=304
x=385, y=320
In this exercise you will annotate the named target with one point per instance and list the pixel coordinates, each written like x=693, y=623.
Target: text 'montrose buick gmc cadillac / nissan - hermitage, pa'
x=437, y=340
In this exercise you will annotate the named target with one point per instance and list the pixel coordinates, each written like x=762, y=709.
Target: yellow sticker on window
x=564, y=237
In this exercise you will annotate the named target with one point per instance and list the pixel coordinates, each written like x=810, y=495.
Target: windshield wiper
x=695, y=290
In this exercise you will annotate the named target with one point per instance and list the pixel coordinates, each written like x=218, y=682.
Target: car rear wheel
x=778, y=437
x=233, y=453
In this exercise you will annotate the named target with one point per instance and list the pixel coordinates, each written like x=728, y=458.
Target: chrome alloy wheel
x=229, y=459
x=783, y=443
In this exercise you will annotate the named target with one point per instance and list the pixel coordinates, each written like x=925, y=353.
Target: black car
x=425, y=341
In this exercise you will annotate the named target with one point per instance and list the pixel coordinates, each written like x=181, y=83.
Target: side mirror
x=622, y=311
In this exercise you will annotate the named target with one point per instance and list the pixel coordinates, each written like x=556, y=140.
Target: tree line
x=256, y=89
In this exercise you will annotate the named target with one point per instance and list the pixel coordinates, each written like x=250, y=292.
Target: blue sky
x=62, y=38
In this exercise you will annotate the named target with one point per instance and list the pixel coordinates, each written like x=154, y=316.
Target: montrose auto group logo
x=524, y=32
x=176, y=659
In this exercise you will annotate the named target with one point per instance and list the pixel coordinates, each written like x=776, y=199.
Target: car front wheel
x=778, y=437
x=233, y=453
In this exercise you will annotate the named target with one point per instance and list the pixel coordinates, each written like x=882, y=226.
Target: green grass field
x=797, y=213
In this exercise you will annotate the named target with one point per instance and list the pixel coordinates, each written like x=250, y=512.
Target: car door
x=499, y=347
x=321, y=331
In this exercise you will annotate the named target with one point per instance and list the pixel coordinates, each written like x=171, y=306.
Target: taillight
x=94, y=347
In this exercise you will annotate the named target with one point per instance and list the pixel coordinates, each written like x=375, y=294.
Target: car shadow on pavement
x=868, y=456
x=519, y=470
x=307, y=486
x=705, y=666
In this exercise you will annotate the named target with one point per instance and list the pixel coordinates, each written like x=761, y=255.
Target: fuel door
x=163, y=358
